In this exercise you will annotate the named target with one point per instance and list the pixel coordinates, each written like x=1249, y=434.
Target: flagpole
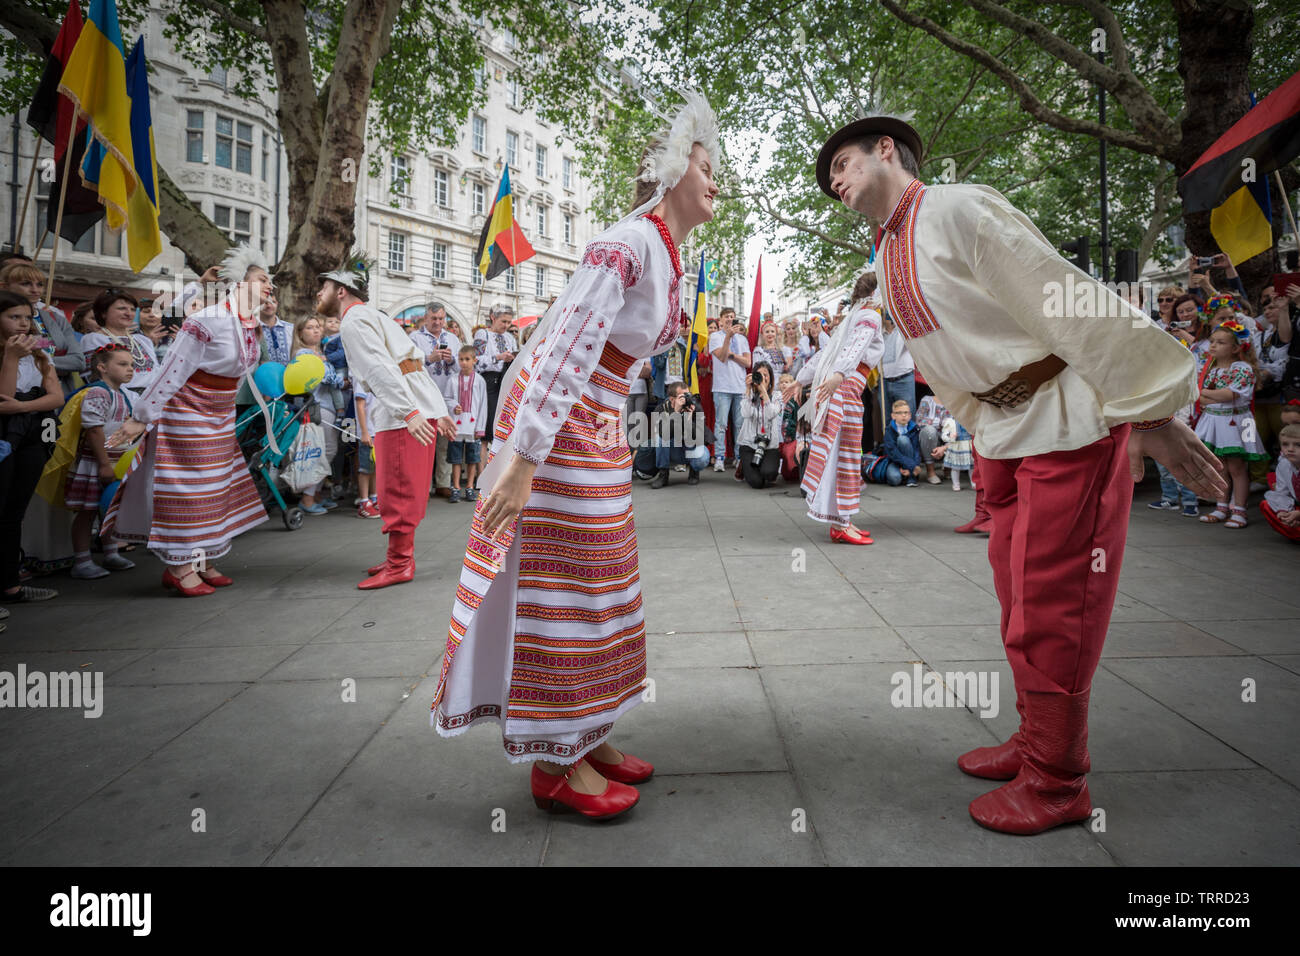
x=63, y=194
x=27, y=195
x=1286, y=204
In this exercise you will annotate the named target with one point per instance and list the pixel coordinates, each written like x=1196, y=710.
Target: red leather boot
x=982, y=523
x=1050, y=788
x=400, y=566
x=1001, y=762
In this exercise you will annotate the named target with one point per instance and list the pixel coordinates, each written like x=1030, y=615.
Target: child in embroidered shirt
x=957, y=455
x=1279, y=507
x=1224, y=420
x=467, y=398
x=104, y=408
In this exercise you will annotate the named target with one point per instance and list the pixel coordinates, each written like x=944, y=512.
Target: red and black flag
x=502, y=243
x=1269, y=135
x=50, y=115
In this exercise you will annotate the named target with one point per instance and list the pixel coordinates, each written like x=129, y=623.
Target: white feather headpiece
x=241, y=258
x=695, y=122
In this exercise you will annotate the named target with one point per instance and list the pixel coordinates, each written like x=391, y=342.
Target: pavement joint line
x=1204, y=730
x=800, y=794
x=93, y=793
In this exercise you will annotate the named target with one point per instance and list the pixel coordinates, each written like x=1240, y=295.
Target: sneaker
x=934, y=480
x=27, y=594
x=1163, y=505
x=115, y=562
x=1191, y=511
x=367, y=509
x=718, y=465
x=911, y=483
x=641, y=475
x=454, y=496
x=471, y=494
x=679, y=468
x=315, y=509
x=88, y=571
x=329, y=504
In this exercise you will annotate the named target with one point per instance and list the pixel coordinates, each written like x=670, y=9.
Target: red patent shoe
x=976, y=525
x=629, y=770
x=850, y=536
x=549, y=790
x=216, y=579
x=170, y=580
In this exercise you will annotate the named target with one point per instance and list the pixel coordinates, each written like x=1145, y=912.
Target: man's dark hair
x=674, y=388
x=905, y=158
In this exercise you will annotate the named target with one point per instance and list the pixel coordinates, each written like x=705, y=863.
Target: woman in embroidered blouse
x=555, y=652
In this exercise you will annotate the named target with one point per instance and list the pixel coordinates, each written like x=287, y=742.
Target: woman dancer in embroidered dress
x=832, y=481
x=547, y=636
x=188, y=491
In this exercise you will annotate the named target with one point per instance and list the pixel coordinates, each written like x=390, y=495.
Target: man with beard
x=389, y=367
x=1051, y=401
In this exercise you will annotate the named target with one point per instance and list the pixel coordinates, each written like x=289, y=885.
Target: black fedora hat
x=866, y=126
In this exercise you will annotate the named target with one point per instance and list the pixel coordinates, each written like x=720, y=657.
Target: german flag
x=1269, y=135
x=502, y=244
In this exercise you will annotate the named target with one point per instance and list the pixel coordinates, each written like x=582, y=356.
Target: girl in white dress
x=1224, y=420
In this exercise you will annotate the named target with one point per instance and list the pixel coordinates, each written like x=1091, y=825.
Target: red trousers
x=403, y=471
x=1059, y=525
x=1285, y=530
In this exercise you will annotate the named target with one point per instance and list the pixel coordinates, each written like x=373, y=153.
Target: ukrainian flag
x=1243, y=225
x=142, y=239
x=95, y=80
x=699, y=340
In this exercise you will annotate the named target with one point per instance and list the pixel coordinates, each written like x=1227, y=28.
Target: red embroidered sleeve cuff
x=1152, y=424
x=529, y=458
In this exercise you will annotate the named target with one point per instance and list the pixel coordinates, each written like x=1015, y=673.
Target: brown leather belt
x=1020, y=385
x=410, y=366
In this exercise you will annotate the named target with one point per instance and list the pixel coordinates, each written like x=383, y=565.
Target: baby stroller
x=263, y=463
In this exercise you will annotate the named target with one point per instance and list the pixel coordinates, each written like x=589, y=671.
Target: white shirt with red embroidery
x=211, y=340
x=979, y=292
x=626, y=292
x=470, y=422
x=375, y=345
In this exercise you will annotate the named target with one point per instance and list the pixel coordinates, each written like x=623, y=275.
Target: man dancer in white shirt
x=440, y=349
x=1050, y=399
x=404, y=410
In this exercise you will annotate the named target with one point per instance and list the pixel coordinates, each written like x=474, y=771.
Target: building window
x=539, y=288
x=87, y=241
x=507, y=35
x=568, y=229
x=225, y=141
x=110, y=243
x=399, y=175
x=265, y=234
x=217, y=76
x=478, y=135
x=568, y=172
x=237, y=224
x=475, y=277
x=193, y=135
x=512, y=93
x=396, y=251
x=441, y=192
x=266, y=155
x=541, y=218
x=510, y=273
x=479, y=193
x=541, y=160
x=440, y=260
x=512, y=148
x=244, y=148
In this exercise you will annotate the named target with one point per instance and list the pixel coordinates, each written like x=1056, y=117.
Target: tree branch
x=254, y=30
x=1028, y=101
x=763, y=202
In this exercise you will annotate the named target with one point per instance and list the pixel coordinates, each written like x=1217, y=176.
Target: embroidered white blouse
x=625, y=292
x=374, y=346
x=211, y=340
x=979, y=293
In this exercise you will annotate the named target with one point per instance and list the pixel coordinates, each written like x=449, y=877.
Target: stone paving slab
x=773, y=654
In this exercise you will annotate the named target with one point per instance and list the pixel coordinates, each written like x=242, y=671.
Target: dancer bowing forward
x=832, y=482
x=969, y=281
x=547, y=636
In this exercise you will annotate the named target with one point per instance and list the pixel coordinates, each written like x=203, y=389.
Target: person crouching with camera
x=759, y=441
x=680, y=436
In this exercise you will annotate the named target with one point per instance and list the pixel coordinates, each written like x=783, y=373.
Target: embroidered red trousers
x=1059, y=525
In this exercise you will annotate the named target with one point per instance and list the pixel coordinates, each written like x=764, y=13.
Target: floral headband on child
x=111, y=347
x=1216, y=302
x=1239, y=332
